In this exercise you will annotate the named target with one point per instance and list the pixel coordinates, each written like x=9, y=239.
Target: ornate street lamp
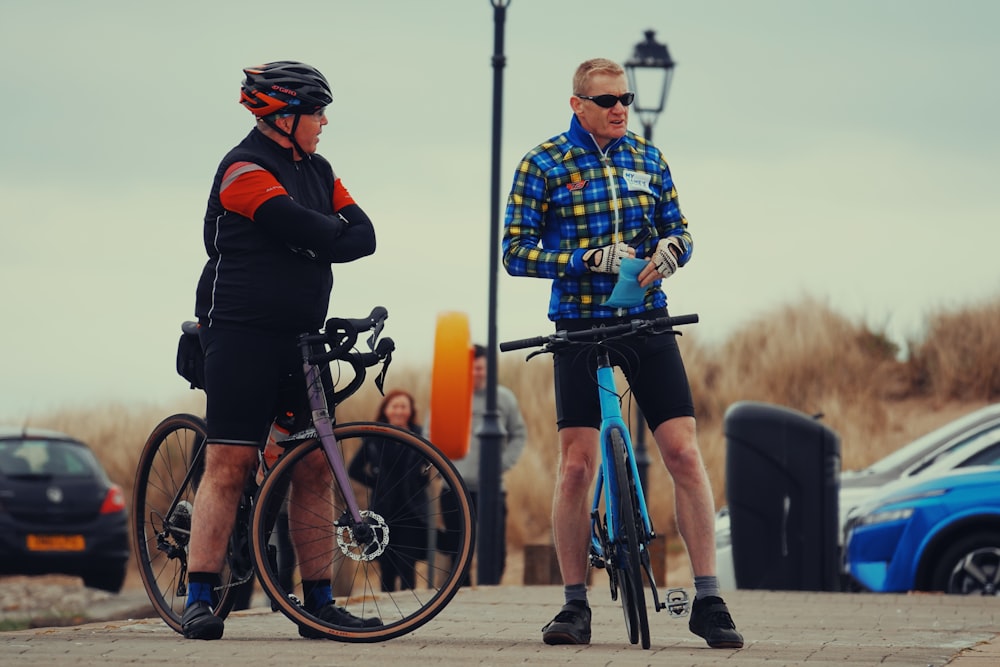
x=650, y=69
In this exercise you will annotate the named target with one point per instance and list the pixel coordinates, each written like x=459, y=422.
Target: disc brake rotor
x=367, y=548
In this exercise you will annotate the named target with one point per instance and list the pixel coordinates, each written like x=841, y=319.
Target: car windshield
x=45, y=457
x=981, y=450
x=951, y=456
x=927, y=443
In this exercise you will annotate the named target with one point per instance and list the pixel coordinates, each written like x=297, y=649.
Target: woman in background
x=402, y=492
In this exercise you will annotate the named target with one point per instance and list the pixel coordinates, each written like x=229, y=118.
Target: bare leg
x=693, y=500
x=571, y=505
x=226, y=470
x=310, y=516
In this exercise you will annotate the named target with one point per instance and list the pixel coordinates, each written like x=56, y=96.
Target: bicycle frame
x=611, y=417
x=324, y=428
x=607, y=485
x=340, y=335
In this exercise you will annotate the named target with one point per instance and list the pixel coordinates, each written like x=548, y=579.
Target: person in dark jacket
x=402, y=497
x=278, y=217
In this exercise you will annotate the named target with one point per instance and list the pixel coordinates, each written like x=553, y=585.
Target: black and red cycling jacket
x=273, y=227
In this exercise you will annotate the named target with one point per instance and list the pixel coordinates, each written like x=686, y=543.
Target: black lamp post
x=491, y=435
x=650, y=69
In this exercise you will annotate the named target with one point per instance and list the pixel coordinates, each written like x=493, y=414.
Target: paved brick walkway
x=501, y=626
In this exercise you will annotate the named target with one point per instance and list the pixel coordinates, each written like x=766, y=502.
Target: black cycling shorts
x=250, y=376
x=651, y=364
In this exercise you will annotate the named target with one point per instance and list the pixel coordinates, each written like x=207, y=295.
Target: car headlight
x=885, y=516
x=873, y=514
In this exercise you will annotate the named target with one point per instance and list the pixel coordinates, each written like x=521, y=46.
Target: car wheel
x=971, y=566
x=110, y=580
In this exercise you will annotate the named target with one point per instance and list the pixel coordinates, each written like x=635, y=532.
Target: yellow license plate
x=56, y=543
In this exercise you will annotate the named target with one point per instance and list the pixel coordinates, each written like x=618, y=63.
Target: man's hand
x=665, y=257
x=607, y=259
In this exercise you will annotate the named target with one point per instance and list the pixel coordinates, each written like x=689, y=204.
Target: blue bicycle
x=621, y=529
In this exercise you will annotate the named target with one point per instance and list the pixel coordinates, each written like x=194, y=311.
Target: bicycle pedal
x=678, y=603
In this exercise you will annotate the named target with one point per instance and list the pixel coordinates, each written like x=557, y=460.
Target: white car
x=973, y=439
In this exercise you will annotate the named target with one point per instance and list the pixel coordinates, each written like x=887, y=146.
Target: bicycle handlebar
x=340, y=334
x=600, y=332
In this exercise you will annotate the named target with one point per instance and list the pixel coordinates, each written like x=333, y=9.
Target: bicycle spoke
x=161, y=519
x=402, y=564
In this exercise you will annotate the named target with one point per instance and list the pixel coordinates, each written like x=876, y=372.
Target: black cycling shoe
x=711, y=621
x=200, y=622
x=335, y=615
x=570, y=626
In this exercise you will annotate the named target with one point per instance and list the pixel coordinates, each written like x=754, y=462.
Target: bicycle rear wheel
x=627, y=559
x=417, y=526
x=163, y=498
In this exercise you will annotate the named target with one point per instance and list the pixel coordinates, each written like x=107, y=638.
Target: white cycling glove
x=665, y=256
x=607, y=259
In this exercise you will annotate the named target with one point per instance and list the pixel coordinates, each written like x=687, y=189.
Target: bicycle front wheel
x=627, y=556
x=398, y=567
x=163, y=498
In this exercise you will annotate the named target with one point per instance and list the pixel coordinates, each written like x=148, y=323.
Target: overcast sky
x=846, y=150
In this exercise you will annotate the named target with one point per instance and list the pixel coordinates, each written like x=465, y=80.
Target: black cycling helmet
x=284, y=86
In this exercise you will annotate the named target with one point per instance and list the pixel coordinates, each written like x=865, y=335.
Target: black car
x=59, y=512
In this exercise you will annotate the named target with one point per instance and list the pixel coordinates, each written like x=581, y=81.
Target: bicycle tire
x=628, y=558
x=160, y=532
x=352, y=560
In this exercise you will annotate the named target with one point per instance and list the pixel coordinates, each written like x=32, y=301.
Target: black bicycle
x=356, y=539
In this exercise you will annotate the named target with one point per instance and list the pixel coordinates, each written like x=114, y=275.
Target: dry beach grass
x=804, y=356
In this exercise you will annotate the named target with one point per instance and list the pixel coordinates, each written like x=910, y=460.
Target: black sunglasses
x=608, y=101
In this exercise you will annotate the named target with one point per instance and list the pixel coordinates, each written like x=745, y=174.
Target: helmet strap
x=289, y=135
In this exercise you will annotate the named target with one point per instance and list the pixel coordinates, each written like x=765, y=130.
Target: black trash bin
x=782, y=485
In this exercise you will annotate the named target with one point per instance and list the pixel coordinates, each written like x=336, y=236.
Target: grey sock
x=706, y=586
x=576, y=592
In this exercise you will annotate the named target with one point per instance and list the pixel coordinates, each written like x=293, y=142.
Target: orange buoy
x=451, y=385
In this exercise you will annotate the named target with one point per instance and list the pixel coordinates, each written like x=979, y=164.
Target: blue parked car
x=937, y=534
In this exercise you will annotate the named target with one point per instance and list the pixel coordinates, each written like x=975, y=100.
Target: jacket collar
x=584, y=139
x=271, y=146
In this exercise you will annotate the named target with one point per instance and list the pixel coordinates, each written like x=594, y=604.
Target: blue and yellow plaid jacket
x=568, y=196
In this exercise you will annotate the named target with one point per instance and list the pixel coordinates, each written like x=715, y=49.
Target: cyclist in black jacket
x=278, y=217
